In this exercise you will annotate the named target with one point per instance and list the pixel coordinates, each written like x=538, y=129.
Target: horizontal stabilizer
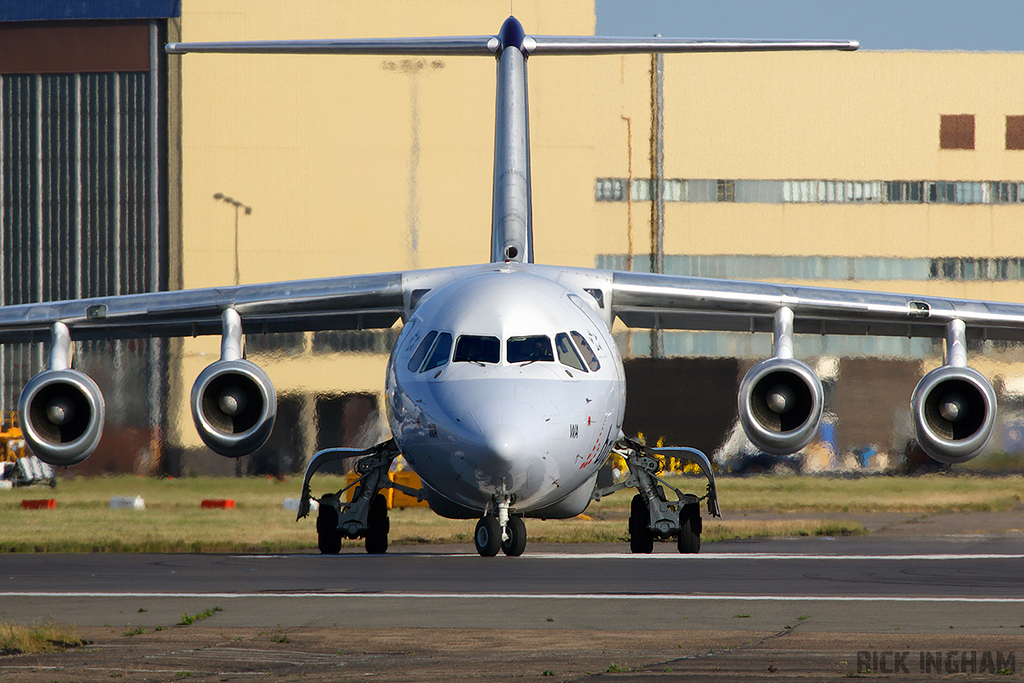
x=459, y=45
x=583, y=45
x=493, y=45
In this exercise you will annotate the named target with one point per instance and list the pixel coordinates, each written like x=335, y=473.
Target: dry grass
x=930, y=493
x=48, y=637
x=174, y=522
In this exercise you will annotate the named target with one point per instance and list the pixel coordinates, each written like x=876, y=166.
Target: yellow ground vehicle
x=18, y=467
x=12, y=442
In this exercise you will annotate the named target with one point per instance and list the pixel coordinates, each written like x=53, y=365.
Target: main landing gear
x=366, y=515
x=652, y=516
x=502, y=531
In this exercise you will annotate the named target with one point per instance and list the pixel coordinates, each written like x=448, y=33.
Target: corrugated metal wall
x=75, y=218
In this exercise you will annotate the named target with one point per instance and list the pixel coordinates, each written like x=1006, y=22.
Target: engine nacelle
x=780, y=405
x=954, y=411
x=234, y=406
x=61, y=416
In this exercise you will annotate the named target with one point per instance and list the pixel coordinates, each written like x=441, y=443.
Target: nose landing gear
x=487, y=536
x=503, y=532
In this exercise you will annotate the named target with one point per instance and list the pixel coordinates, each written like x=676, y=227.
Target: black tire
x=516, y=543
x=328, y=537
x=377, y=526
x=641, y=538
x=689, y=529
x=487, y=536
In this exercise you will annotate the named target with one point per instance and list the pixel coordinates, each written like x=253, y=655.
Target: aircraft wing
x=647, y=300
x=337, y=303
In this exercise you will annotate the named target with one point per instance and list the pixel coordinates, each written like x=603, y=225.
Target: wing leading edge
x=349, y=302
x=646, y=300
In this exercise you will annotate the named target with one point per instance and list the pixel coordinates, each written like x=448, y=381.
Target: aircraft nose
x=503, y=442
x=509, y=436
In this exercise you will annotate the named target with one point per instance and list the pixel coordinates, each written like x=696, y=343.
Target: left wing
x=694, y=303
x=781, y=399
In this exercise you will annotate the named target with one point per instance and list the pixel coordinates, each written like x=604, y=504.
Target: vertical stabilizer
x=511, y=218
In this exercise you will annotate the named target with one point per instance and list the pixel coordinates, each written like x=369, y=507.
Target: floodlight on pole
x=220, y=196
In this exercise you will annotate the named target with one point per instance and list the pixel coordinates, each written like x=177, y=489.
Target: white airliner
x=505, y=391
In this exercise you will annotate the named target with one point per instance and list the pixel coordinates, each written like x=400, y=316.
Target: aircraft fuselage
x=506, y=383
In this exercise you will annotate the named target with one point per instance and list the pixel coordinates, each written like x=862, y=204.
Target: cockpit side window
x=439, y=356
x=471, y=348
x=567, y=355
x=588, y=353
x=528, y=349
x=421, y=352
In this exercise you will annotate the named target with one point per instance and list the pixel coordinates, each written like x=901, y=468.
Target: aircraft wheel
x=516, y=542
x=689, y=529
x=328, y=536
x=487, y=536
x=378, y=525
x=641, y=538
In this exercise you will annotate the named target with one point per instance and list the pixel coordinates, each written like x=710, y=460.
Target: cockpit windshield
x=567, y=355
x=588, y=353
x=474, y=349
x=421, y=351
x=528, y=349
x=439, y=355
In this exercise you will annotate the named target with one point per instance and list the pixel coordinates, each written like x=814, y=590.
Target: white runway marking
x=513, y=596
x=677, y=556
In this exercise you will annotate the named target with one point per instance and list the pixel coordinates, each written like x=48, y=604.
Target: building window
x=726, y=190
x=1015, y=132
x=610, y=190
x=902, y=191
x=956, y=131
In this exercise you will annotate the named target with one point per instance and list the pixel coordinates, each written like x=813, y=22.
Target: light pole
x=238, y=205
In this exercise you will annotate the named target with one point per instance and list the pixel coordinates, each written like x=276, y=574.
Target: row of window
x=436, y=348
x=637, y=343
x=746, y=267
x=323, y=342
x=813, y=191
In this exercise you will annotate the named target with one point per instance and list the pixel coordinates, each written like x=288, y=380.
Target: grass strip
x=50, y=636
x=173, y=522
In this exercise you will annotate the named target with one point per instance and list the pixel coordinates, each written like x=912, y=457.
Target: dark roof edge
x=73, y=10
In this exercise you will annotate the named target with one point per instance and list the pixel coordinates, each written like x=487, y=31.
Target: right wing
x=350, y=302
x=233, y=401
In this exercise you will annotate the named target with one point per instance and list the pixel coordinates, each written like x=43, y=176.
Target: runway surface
x=860, y=584
x=812, y=608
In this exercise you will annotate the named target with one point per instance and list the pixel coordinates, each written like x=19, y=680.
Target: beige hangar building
x=896, y=171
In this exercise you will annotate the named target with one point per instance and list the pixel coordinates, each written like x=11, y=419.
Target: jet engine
x=780, y=405
x=61, y=416
x=234, y=406
x=954, y=411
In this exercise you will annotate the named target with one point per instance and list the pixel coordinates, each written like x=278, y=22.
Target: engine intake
x=62, y=416
x=234, y=406
x=780, y=404
x=954, y=412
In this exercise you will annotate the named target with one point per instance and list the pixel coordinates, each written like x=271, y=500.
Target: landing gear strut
x=501, y=531
x=366, y=515
x=652, y=516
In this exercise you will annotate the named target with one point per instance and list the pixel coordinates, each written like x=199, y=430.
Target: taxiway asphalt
x=871, y=584
x=748, y=610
